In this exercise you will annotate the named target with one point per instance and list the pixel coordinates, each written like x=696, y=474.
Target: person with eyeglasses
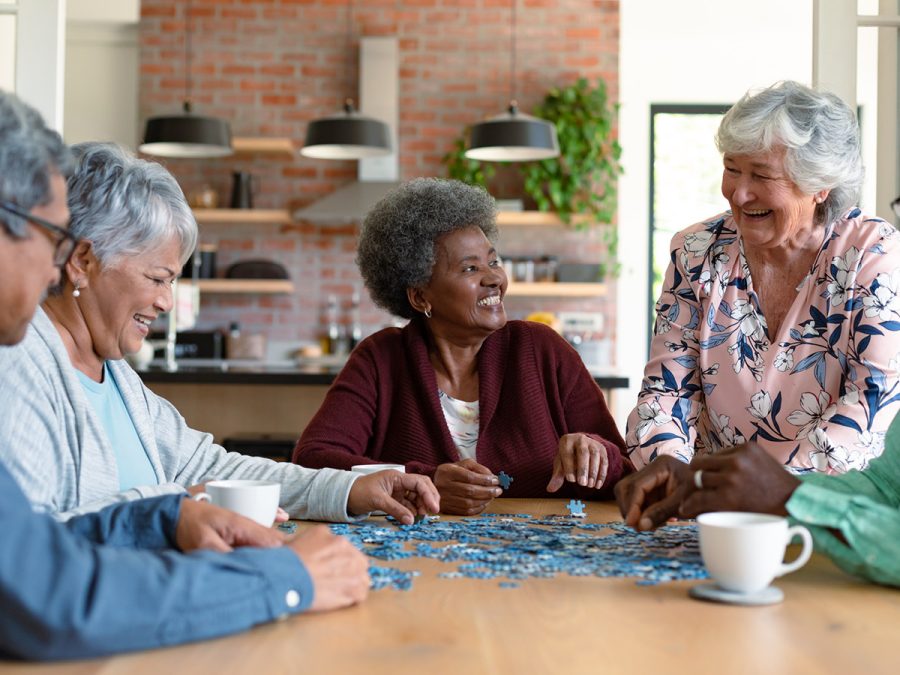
x=119, y=580
x=65, y=240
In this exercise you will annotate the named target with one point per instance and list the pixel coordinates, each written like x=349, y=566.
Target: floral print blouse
x=819, y=396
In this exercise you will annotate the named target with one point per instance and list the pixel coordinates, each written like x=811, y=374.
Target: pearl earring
x=77, y=292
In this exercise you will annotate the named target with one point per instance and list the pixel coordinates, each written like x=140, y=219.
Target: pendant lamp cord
x=513, y=104
x=348, y=101
x=187, y=57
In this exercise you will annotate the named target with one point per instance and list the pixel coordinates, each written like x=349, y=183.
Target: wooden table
x=829, y=623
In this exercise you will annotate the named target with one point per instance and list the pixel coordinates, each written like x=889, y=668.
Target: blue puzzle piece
x=576, y=508
x=505, y=480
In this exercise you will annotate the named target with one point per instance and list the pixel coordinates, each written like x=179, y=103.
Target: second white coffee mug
x=743, y=552
x=375, y=468
x=255, y=499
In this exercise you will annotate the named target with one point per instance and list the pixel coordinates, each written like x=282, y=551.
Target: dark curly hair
x=397, y=242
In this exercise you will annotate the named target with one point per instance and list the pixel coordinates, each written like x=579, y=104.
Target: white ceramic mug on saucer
x=375, y=468
x=744, y=552
x=255, y=499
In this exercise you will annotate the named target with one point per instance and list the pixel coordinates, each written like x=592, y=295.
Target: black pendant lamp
x=513, y=136
x=347, y=134
x=187, y=135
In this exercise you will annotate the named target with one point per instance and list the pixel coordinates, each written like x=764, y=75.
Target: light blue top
x=131, y=459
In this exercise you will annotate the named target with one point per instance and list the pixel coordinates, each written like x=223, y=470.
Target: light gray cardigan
x=53, y=443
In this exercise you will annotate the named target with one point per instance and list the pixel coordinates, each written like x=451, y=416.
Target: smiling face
x=768, y=207
x=120, y=302
x=27, y=265
x=465, y=293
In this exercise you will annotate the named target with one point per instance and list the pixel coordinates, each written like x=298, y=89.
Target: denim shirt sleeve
x=63, y=596
x=146, y=523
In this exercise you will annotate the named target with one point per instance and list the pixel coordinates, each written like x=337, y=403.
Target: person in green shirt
x=854, y=518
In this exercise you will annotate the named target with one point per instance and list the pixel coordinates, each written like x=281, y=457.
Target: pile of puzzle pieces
x=515, y=547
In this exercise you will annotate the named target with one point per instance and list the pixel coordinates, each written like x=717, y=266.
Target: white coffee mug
x=743, y=552
x=255, y=499
x=375, y=468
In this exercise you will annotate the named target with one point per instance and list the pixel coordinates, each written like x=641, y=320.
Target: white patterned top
x=462, y=420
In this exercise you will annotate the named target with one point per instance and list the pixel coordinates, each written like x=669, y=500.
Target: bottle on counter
x=332, y=342
x=355, y=321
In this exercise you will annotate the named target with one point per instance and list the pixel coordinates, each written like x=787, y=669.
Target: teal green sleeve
x=864, y=506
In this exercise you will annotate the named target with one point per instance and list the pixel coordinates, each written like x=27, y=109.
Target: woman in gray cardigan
x=82, y=430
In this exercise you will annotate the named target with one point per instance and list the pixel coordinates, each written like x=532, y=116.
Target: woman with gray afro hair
x=397, y=244
x=777, y=319
x=460, y=394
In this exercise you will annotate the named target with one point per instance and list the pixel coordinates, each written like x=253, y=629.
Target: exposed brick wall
x=271, y=66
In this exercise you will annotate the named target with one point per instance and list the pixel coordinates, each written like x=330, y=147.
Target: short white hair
x=125, y=206
x=818, y=131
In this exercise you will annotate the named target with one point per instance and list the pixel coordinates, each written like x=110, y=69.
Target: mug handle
x=201, y=497
x=803, y=558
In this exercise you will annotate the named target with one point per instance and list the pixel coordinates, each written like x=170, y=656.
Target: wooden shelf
x=535, y=219
x=247, y=286
x=243, y=216
x=555, y=290
x=248, y=145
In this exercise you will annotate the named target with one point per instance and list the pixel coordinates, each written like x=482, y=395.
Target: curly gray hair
x=30, y=153
x=818, y=131
x=125, y=206
x=397, y=242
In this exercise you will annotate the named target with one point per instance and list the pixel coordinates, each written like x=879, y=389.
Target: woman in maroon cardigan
x=460, y=394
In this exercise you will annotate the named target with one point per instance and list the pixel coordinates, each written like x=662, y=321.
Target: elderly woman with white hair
x=82, y=431
x=779, y=320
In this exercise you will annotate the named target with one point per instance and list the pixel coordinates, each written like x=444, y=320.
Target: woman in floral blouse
x=779, y=320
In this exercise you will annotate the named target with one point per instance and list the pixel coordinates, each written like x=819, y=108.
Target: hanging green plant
x=467, y=170
x=579, y=185
x=582, y=180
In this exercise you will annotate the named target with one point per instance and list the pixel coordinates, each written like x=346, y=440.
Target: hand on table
x=401, y=495
x=466, y=487
x=339, y=571
x=648, y=498
x=579, y=459
x=202, y=525
x=744, y=478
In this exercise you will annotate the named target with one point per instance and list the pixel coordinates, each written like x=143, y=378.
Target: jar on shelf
x=523, y=269
x=545, y=268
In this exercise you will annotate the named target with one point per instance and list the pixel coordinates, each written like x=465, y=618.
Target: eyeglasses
x=65, y=240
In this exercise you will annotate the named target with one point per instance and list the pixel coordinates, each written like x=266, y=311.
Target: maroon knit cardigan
x=533, y=388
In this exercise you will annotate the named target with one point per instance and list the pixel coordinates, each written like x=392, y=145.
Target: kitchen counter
x=210, y=371
x=239, y=398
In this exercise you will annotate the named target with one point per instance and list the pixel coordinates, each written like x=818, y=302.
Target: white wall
x=689, y=51
x=101, y=89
